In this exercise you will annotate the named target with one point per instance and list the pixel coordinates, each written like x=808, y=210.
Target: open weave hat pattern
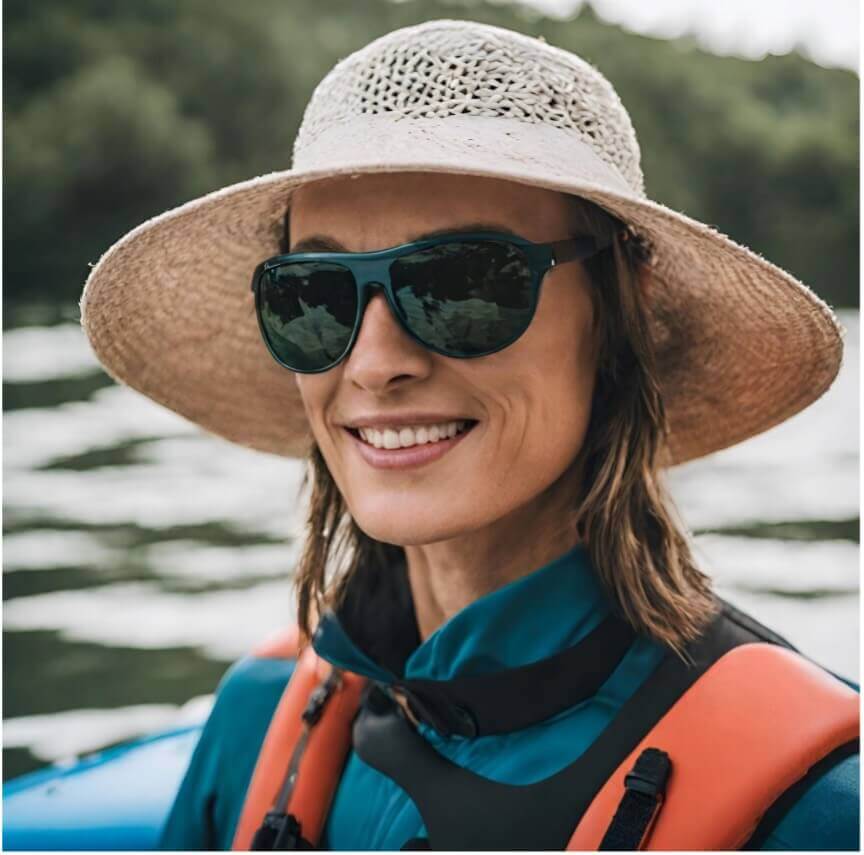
x=741, y=345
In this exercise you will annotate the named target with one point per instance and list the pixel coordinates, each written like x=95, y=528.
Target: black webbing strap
x=643, y=796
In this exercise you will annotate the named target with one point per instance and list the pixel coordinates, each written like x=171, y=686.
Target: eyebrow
x=325, y=243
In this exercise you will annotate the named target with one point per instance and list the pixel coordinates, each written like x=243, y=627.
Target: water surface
x=142, y=556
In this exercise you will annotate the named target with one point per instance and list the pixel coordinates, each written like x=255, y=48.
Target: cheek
x=544, y=425
x=555, y=372
x=317, y=392
x=538, y=417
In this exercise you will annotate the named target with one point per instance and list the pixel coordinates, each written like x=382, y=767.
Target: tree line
x=117, y=111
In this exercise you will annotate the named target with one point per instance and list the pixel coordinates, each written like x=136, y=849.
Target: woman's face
x=530, y=401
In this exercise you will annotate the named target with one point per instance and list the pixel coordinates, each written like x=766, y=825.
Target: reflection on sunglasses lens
x=465, y=298
x=307, y=312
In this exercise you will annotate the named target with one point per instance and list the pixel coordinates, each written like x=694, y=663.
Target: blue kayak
x=113, y=799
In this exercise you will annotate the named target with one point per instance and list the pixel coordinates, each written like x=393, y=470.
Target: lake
x=142, y=556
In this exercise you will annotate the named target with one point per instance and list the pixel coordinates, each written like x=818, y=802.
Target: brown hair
x=626, y=517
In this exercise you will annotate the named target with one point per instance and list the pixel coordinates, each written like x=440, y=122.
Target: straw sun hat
x=168, y=309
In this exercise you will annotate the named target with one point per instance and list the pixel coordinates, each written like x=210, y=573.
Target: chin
x=401, y=525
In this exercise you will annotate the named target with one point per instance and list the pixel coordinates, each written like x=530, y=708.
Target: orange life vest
x=759, y=707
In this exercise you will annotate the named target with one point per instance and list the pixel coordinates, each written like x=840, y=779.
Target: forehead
x=378, y=210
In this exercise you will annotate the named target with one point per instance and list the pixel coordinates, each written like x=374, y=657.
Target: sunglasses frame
x=371, y=270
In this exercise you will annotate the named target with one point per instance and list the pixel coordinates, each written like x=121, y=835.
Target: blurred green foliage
x=116, y=111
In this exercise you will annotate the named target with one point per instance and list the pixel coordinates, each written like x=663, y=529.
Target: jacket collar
x=495, y=666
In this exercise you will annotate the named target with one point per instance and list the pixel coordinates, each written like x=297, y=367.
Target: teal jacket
x=534, y=617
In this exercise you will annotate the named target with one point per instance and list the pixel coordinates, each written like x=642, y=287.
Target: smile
x=392, y=447
x=409, y=435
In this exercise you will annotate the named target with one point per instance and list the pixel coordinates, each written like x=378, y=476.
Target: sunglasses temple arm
x=576, y=249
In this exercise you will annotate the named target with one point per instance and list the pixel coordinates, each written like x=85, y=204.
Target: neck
x=448, y=575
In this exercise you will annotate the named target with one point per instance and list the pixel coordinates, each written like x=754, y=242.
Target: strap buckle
x=650, y=773
x=644, y=786
x=279, y=831
x=319, y=697
x=447, y=719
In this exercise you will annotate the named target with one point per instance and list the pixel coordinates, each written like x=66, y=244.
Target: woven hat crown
x=449, y=68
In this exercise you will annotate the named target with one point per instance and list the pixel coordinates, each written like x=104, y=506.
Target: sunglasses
x=463, y=295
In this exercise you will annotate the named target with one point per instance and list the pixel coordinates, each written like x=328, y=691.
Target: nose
x=384, y=356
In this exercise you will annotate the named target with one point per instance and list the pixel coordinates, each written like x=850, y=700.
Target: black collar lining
x=377, y=613
x=516, y=698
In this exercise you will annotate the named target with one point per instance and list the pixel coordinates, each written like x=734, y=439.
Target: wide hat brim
x=741, y=345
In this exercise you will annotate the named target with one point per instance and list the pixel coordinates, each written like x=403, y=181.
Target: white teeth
x=405, y=437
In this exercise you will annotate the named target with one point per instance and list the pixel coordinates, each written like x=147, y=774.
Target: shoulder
x=246, y=698
x=208, y=803
x=826, y=816
x=252, y=680
x=825, y=808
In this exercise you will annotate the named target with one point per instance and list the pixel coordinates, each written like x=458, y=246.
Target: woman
x=522, y=646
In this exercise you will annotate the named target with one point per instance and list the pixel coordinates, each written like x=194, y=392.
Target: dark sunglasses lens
x=307, y=312
x=465, y=298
